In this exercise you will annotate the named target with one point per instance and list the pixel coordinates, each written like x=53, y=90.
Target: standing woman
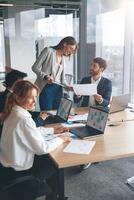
x=23, y=147
x=50, y=69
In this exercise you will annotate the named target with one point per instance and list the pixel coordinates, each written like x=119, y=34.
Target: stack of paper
x=79, y=146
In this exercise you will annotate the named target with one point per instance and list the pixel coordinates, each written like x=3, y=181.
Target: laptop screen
x=97, y=118
x=64, y=108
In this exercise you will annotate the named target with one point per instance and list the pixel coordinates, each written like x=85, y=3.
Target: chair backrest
x=25, y=187
x=21, y=188
x=69, y=78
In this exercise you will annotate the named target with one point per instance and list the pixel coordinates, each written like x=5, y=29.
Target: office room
x=102, y=31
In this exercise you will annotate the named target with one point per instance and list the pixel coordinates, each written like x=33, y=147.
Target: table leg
x=61, y=189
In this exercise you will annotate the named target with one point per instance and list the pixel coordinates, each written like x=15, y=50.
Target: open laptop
x=96, y=123
x=119, y=103
x=62, y=112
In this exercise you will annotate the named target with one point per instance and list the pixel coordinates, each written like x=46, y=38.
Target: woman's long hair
x=69, y=40
x=20, y=89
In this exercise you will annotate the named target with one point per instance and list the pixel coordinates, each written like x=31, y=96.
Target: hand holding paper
x=85, y=89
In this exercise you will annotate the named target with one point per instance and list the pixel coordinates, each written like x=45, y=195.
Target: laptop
x=119, y=103
x=62, y=113
x=96, y=123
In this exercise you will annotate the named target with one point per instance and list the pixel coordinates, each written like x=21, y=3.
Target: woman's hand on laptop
x=60, y=129
x=63, y=133
x=44, y=115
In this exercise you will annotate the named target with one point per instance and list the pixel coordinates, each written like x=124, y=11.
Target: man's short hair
x=102, y=63
x=12, y=77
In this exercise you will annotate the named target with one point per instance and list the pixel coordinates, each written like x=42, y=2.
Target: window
x=2, y=53
x=110, y=45
x=110, y=30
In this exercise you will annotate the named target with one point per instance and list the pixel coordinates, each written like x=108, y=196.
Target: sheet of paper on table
x=79, y=146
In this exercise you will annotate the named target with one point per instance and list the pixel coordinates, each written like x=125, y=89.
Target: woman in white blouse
x=21, y=140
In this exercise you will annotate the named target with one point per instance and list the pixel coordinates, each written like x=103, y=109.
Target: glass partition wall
x=28, y=31
x=102, y=28
x=110, y=30
x=2, y=53
x=106, y=30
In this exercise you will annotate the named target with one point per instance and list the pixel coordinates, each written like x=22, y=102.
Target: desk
x=117, y=142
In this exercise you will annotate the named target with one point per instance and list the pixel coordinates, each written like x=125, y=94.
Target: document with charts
x=79, y=147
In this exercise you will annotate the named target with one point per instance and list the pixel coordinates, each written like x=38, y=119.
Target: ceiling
x=60, y=6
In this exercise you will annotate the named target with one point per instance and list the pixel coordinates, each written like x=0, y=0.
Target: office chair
x=22, y=188
x=69, y=78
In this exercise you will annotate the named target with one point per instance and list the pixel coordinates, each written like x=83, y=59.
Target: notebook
x=62, y=112
x=119, y=103
x=96, y=123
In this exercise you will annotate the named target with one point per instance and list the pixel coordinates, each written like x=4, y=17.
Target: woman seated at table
x=21, y=141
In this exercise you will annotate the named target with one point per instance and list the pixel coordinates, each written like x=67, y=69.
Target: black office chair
x=22, y=188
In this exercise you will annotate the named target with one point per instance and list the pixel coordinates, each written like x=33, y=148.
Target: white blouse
x=57, y=71
x=21, y=140
x=57, y=68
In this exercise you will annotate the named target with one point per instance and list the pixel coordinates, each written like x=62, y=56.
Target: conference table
x=116, y=142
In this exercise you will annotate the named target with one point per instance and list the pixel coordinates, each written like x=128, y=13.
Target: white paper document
x=79, y=146
x=78, y=118
x=72, y=125
x=85, y=89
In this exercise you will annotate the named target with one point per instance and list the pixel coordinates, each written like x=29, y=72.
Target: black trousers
x=42, y=169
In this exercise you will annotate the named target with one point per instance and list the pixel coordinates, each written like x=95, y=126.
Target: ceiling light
x=6, y=4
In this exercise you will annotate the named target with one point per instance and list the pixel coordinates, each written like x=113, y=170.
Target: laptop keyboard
x=76, y=132
x=52, y=119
